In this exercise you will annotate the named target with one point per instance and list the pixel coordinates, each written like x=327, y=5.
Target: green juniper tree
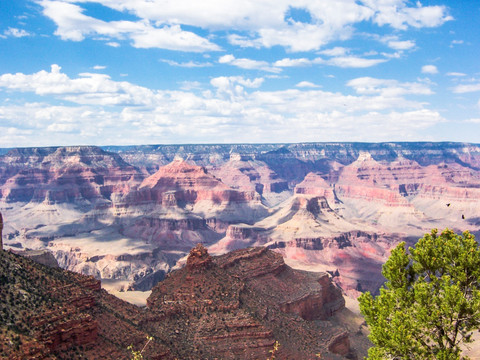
x=430, y=303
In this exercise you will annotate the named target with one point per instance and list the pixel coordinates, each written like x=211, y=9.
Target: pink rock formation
x=181, y=182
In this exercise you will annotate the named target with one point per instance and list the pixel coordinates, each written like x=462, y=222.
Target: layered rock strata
x=237, y=305
x=230, y=307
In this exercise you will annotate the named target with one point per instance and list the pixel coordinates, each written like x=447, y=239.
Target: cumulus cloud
x=399, y=15
x=248, y=64
x=386, y=87
x=429, y=69
x=306, y=84
x=249, y=23
x=14, y=32
x=118, y=112
x=188, y=64
x=89, y=88
x=466, y=88
x=73, y=24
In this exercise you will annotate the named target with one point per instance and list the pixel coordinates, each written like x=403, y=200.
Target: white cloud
x=456, y=42
x=87, y=89
x=401, y=45
x=113, y=44
x=456, y=74
x=99, y=67
x=16, y=32
x=399, y=15
x=226, y=82
x=474, y=121
x=73, y=25
x=466, y=88
x=249, y=23
x=118, y=112
x=248, y=64
x=306, y=84
x=188, y=64
x=287, y=62
x=352, y=62
x=429, y=69
x=385, y=87
x=336, y=51
x=190, y=85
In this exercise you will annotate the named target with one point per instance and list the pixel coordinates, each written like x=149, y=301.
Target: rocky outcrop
x=49, y=313
x=190, y=184
x=44, y=257
x=236, y=306
x=198, y=260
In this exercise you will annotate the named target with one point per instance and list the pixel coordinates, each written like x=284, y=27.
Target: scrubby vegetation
x=430, y=303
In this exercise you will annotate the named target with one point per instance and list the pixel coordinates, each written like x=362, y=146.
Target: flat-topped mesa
x=198, y=259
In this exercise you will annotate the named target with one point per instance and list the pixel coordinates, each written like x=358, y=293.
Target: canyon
x=129, y=215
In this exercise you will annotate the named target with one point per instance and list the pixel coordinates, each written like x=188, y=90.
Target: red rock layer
x=236, y=305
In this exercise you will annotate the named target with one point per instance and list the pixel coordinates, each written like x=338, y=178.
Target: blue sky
x=107, y=72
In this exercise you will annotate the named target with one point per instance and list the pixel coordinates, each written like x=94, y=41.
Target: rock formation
x=49, y=313
x=130, y=213
x=237, y=305
x=234, y=306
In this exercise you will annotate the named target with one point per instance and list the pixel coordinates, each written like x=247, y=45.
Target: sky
x=131, y=72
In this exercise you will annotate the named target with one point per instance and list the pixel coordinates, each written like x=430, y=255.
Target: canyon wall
x=132, y=213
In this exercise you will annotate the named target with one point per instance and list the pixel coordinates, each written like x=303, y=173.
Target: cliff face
x=129, y=212
x=236, y=306
x=64, y=175
x=230, y=307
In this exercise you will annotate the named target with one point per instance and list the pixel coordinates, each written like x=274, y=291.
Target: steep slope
x=245, y=173
x=49, y=313
x=192, y=187
x=237, y=305
x=234, y=306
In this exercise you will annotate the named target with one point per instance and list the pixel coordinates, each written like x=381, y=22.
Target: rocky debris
x=229, y=307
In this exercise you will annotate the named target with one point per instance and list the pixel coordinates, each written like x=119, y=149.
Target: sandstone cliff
x=236, y=305
x=125, y=213
x=230, y=307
